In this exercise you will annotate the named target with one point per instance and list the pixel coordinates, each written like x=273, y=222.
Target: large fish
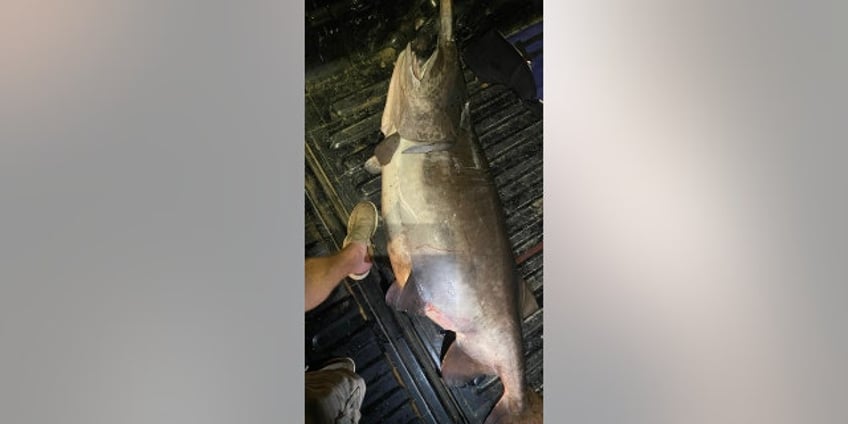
x=447, y=244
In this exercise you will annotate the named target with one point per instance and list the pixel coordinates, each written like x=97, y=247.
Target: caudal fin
x=510, y=411
x=446, y=21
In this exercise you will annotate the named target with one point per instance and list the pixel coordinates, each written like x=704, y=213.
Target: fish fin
x=393, y=294
x=465, y=117
x=528, y=300
x=458, y=368
x=372, y=166
x=405, y=298
x=507, y=411
x=446, y=21
x=428, y=147
x=386, y=149
x=499, y=414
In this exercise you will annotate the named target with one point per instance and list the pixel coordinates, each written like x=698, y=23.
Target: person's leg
x=334, y=393
x=324, y=274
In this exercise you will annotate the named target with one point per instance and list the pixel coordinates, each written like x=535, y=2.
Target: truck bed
x=351, y=48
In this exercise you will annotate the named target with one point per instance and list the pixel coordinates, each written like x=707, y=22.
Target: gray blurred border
x=151, y=233
x=696, y=204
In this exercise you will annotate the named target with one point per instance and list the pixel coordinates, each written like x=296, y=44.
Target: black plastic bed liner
x=397, y=354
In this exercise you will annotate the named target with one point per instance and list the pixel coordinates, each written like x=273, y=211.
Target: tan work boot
x=361, y=226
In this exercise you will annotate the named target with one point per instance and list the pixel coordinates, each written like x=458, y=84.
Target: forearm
x=322, y=277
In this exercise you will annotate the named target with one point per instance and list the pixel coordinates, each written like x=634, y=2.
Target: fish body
x=447, y=240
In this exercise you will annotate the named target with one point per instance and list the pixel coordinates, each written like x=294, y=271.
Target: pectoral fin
x=386, y=149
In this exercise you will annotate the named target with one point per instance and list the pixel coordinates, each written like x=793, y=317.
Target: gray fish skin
x=448, y=244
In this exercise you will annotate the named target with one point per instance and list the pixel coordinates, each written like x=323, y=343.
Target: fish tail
x=446, y=21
